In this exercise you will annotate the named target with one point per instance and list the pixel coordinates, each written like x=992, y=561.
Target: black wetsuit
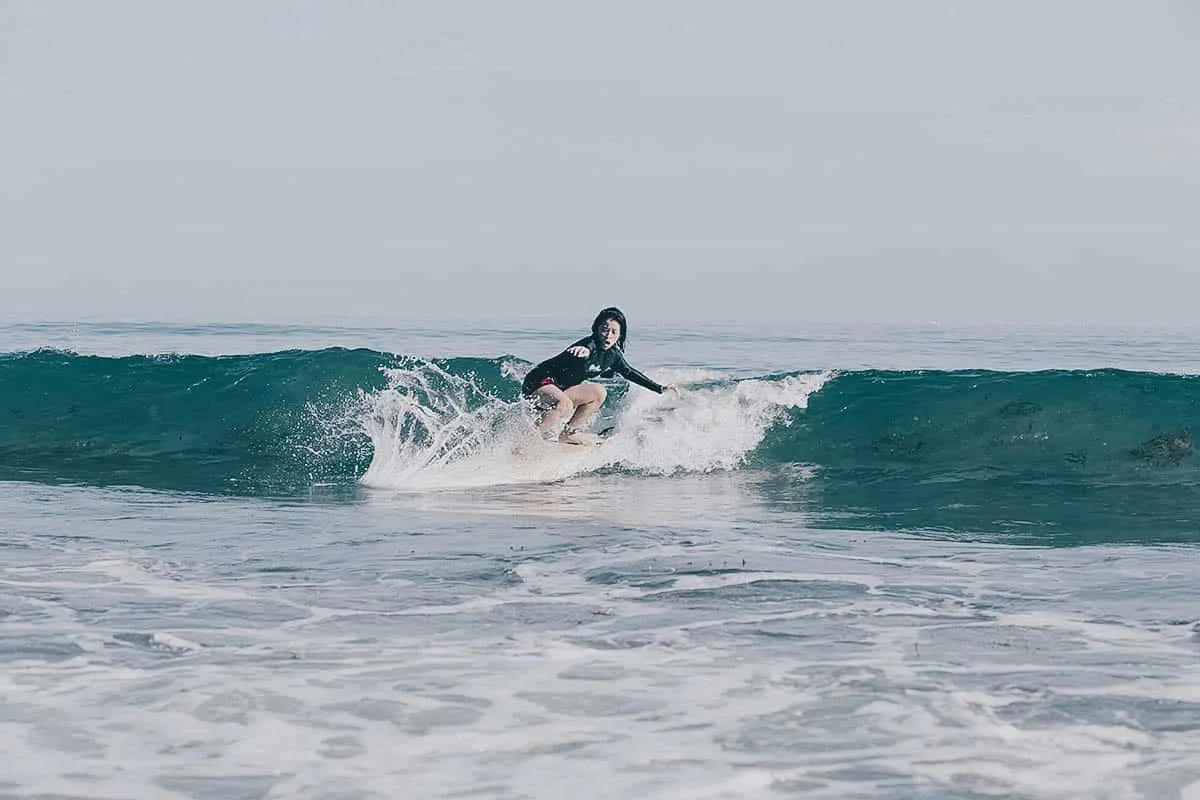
x=566, y=370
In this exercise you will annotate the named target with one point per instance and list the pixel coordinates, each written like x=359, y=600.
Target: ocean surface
x=244, y=561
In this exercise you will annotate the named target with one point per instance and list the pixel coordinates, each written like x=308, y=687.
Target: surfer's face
x=609, y=333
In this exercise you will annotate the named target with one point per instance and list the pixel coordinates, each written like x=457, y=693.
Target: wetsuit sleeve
x=621, y=367
x=563, y=370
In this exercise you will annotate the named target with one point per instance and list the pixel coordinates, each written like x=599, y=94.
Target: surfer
x=559, y=387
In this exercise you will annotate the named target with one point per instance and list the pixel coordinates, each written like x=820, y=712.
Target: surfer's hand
x=579, y=351
x=670, y=387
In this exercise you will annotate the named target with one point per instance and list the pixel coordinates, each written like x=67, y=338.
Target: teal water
x=1081, y=454
x=326, y=561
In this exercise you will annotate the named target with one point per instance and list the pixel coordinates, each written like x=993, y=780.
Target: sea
x=244, y=561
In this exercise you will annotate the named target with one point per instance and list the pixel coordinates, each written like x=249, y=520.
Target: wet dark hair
x=612, y=312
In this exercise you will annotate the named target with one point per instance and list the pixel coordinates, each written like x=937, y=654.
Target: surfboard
x=585, y=439
x=535, y=447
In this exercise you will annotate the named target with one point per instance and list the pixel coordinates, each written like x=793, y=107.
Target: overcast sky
x=869, y=160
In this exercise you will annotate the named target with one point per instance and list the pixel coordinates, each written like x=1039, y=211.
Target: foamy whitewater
x=425, y=435
x=314, y=562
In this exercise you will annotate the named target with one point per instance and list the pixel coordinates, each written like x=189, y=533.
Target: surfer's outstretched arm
x=622, y=367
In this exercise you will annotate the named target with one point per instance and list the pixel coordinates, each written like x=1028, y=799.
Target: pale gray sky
x=868, y=160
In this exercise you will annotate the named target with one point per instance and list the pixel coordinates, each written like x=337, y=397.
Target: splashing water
x=709, y=428
x=431, y=429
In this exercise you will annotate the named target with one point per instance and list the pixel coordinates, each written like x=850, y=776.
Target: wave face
x=1106, y=423
x=273, y=423
x=960, y=450
x=1108, y=452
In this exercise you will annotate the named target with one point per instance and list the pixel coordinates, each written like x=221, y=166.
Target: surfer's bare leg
x=558, y=404
x=587, y=398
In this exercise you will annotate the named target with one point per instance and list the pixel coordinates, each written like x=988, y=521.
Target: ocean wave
x=919, y=446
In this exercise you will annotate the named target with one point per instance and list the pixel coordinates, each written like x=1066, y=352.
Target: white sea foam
x=593, y=660
x=434, y=430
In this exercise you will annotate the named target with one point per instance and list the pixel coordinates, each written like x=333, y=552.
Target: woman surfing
x=559, y=387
